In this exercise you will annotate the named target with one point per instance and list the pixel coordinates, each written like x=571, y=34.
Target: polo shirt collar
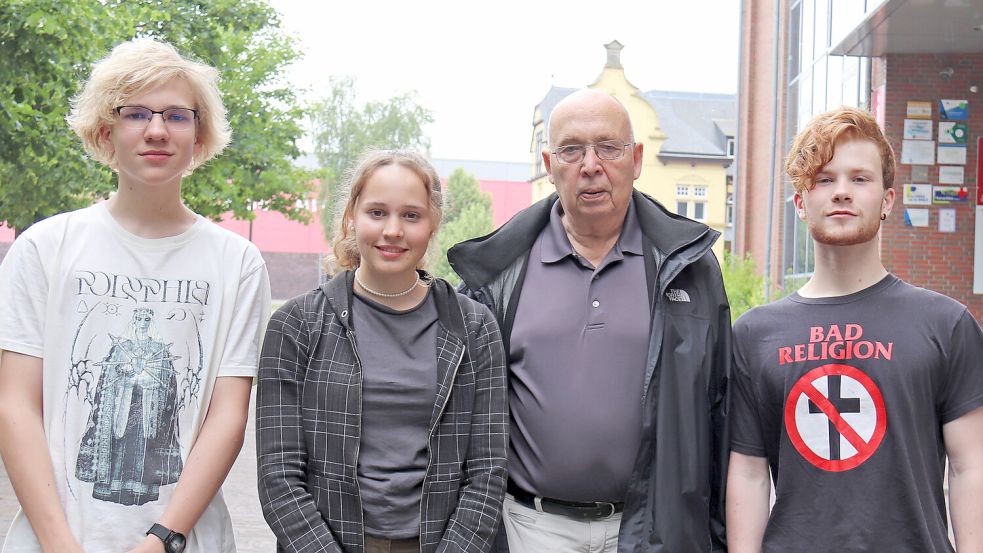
x=556, y=245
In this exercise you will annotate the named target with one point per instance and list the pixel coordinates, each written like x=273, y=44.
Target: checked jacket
x=308, y=424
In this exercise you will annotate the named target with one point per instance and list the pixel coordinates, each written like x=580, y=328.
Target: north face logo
x=677, y=294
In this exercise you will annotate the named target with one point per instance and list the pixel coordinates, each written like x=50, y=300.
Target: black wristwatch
x=173, y=541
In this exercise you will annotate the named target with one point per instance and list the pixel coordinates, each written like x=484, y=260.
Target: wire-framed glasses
x=175, y=119
x=608, y=150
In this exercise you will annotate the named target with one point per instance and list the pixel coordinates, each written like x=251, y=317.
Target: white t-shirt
x=132, y=332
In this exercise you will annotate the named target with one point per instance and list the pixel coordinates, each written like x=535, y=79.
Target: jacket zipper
x=358, y=443
x=661, y=290
x=430, y=436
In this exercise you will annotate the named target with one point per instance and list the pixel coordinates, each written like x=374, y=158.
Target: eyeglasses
x=609, y=150
x=175, y=119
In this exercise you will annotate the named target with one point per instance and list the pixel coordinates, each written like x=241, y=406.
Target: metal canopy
x=916, y=27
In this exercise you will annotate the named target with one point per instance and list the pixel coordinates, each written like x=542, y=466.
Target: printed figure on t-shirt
x=130, y=446
x=853, y=391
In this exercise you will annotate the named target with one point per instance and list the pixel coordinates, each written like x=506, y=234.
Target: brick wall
x=922, y=255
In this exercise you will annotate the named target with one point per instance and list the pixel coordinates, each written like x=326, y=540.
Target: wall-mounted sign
x=952, y=133
x=949, y=194
x=918, y=152
x=916, y=217
x=947, y=220
x=952, y=154
x=917, y=194
x=957, y=110
x=951, y=174
x=918, y=129
x=978, y=236
x=919, y=110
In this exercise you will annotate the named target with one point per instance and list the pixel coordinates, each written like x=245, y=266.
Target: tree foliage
x=47, y=48
x=745, y=287
x=343, y=131
x=467, y=214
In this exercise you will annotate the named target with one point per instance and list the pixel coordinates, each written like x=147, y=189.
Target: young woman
x=381, y=407
x=130, y=330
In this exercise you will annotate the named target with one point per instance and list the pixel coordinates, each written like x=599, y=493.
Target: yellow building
x=688, y=142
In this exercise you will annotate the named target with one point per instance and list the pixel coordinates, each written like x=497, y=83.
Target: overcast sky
x=482, y=67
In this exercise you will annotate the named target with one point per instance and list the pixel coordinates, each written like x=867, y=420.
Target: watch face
x=175, y=544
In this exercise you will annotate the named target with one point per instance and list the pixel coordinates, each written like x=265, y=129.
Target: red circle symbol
x=805, y=397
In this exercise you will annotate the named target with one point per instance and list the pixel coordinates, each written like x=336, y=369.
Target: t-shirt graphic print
x=846, y=397
x=130, y=447
x=835, y=414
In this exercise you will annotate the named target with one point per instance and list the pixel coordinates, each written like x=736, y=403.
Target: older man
x=618, y=333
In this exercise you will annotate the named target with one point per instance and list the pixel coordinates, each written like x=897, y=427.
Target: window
x=681, y=208
x=816, y=82
x=729, y=214
x=794, y=40
x=539, y=153
x=699, y=211
x=730, y=147
x=682, y=191
x=699, y=191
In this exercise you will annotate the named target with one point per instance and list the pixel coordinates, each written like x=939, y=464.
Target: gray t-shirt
x=846, y=397
x=398, y=352
x=577, y=367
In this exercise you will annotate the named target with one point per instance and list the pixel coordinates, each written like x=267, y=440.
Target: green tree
x=47, y=48
x=343, y=131
x=467, y=214
x=745, y=287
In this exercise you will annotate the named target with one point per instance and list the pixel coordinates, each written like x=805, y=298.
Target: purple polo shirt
x=577, y=353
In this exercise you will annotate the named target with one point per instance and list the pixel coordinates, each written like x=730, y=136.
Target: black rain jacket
x=675, y=500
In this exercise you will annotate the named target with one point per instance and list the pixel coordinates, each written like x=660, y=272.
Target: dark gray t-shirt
x=398, y=351
x=846, y=397
x=577, y=367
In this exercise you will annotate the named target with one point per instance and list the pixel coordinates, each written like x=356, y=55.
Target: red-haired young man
x=854, y=389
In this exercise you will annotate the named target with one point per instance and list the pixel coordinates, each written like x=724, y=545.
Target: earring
x=883, y=216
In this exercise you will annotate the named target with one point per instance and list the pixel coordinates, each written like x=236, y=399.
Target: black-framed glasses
x=608, y=150
x=175, y=119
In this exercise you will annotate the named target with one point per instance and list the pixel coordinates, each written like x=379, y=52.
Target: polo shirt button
x=596, y=303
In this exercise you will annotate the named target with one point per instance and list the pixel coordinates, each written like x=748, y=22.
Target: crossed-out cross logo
x=835, y=417
x=835, y=414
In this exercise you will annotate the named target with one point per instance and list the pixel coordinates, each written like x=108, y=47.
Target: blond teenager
x=130, y=330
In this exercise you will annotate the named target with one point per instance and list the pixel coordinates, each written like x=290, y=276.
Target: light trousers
x=533, y=531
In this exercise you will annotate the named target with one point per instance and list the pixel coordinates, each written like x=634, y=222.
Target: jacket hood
x=479, y=260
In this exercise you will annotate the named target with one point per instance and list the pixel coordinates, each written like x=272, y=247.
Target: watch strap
x=160, y=531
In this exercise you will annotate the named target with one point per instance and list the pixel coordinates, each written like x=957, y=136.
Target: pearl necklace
x=416, y=283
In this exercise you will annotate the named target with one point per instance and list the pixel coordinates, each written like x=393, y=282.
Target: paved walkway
x=252, y=533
